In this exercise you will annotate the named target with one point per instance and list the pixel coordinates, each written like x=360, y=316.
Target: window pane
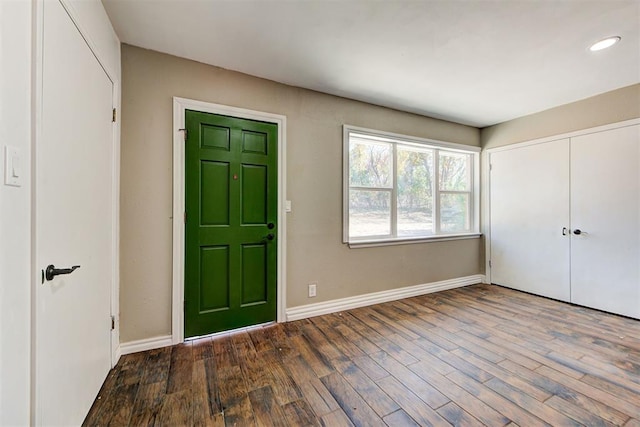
x=369, y=213
x=415, y=192
x=455, y=171
x=370, y=163
x=454, y=212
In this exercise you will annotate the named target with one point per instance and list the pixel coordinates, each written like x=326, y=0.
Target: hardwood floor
x=480, y=355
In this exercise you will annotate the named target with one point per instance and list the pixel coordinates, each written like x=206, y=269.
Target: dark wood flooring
x=479, y=355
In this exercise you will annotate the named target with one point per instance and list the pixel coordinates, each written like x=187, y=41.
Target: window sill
x=408, y=241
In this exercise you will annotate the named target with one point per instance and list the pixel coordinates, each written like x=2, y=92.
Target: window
x=401, y=189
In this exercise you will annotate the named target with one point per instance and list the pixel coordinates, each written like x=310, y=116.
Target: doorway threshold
x=230, y=332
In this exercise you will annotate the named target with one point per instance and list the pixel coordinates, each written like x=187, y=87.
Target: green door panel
x=230, y=200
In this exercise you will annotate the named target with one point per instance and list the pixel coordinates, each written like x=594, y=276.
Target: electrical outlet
x=312, y=289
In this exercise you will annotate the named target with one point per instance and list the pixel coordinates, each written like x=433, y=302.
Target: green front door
x=231, y=230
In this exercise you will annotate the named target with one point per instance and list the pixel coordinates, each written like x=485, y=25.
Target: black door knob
x=270, y=226
x=577, y=232
x=270, y=236
x=52, y=271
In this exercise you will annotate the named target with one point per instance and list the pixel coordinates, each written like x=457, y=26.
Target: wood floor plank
x=146, y=408
x=224, y=352
x=299, y=413
x=504, y=375
x=283, y=386
x=476, y=407
x=207, y=408
x=456, y=415
x=336, y=418
x=386, y=345
x=427, y=393
x=579, y=414
x=400, y=419
x=370, y=367
x=421, y=353
x=597, y=369
x=610, y=407
x=265, y=409
x=181, y=368
x=362, y=344
x=239, y=414
x=356, y=409
x=260, y=339
x=319, y=397
x=157, y=365
x=413, y=405
x=316, y=394
x=367, y=388
x=231, y=385
x=212, y=384
x=316, y=361
x=120, y=407
x=610, y=386
x=202, y=348
x=255, y=370
x=530, y=404
x=504, y=406
x=456, y=362
x=320, y=342
x=478, y=355
x=176, y=409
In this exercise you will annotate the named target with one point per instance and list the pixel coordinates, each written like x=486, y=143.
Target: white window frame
x=438, y=235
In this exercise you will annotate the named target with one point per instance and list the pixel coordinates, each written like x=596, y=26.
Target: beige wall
x=611, y=107
x=314, y=185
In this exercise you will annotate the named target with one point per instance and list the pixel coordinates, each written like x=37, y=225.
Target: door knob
x=270, y=226
x=52, y=271
x=269, y=236
x=577, y=232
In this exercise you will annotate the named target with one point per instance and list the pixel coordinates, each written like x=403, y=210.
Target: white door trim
x=180, y=105
x=486, y=176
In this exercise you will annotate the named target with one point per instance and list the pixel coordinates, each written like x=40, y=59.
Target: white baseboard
x=145, y=344
x=117, y=356
x=311, y=310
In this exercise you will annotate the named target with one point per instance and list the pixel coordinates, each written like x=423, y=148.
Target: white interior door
x=73, y=224
x=605, y=207
x=529, y=210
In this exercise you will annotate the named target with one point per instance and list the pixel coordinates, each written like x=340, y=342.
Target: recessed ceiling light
x=603, y=44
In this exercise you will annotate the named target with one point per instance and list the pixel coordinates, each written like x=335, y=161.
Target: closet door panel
x=529, y=208
x=605, y=207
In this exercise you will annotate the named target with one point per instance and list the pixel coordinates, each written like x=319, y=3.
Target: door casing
x=180, y=105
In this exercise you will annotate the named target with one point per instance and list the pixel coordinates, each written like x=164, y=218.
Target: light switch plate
x=13, y=169
x=287, y=205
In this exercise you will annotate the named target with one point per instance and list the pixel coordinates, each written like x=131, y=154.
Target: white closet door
x=73, y=208
x=605, y=207
x=529, y=208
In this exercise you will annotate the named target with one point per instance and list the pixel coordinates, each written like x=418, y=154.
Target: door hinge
x=113, y=115
x=489, y=263
x=490, y=167
x=113, y=322
x=184, y=134
x=185, y=217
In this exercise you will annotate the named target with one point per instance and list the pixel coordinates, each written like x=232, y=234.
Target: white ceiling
x=473, y=62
